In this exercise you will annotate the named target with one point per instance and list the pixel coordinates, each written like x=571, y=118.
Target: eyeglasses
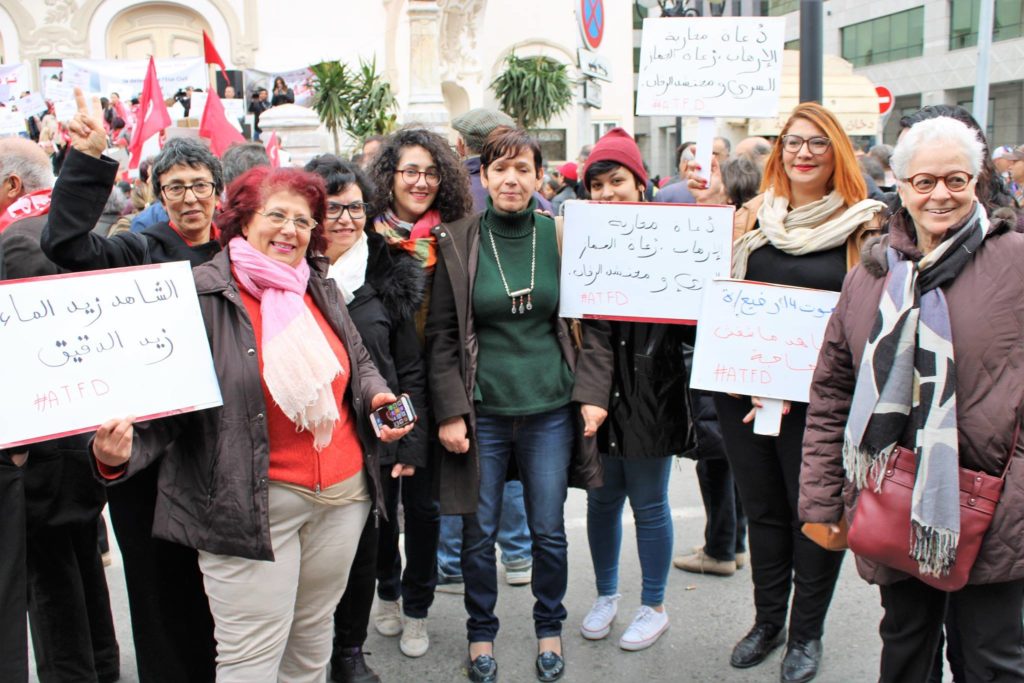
x=412, y=176
x=923, y=183
x=202, y=190
x=816, y=145
x=356, y=210
x=278, y=220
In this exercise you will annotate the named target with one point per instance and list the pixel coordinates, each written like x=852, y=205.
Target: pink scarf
x=298, y=363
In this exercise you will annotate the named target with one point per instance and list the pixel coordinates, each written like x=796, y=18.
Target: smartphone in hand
x=395, y=415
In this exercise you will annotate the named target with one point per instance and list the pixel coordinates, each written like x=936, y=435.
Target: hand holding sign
x=113, y=443
x=703, y=190
x=86, y=129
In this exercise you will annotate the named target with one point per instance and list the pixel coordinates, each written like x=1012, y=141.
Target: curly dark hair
x=453, y=199
x=248, y=192
x=338, y=174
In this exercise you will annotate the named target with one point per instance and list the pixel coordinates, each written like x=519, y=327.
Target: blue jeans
x=645, y=482
x=542, y=446
x=513, y=536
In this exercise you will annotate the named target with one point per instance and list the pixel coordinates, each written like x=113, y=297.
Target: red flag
x=212, y=57
x=273, y=147
x=153, y=113
x=216, y=127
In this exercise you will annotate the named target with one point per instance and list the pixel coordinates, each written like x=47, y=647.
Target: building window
x=964, y=16
x=885, y=39
x=779, y=7
x=599, y=129
x=552, y=143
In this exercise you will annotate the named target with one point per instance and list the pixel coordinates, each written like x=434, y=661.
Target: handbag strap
x=1013, y=446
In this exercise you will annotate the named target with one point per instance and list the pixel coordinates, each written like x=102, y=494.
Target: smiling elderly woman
x=946, y=288
x=274, y=487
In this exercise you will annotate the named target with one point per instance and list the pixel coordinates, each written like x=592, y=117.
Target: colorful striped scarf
x=414, y=238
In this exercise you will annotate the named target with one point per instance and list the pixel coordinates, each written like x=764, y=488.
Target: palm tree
x=532, y=90
x=332, y=86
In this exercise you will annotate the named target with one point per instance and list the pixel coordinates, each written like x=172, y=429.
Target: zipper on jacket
x=376, y=516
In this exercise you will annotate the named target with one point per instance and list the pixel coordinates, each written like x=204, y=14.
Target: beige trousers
x=273, y=621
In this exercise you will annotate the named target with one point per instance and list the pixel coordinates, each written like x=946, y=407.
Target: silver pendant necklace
x=522, y=299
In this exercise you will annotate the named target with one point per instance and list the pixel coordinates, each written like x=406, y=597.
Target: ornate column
x=426, y=102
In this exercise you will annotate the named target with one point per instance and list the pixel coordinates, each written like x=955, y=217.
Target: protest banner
x=32, y=105
x=641, y=261
x=11, y=124
x=708, y=67
x=83, y=348
x=62, y=95
x=761, y=340
x=14, y=80
x=126, y=76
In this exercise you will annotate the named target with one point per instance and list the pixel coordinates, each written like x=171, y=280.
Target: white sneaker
x=388, y=621
x=519, y=576
x=415, y=640
x=647, y=627
x=598, y=622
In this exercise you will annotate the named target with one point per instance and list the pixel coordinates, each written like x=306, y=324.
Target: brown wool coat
x=986, y=306
x=452, y=362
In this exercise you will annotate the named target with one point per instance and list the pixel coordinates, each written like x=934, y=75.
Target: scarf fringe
x=864, y=464
x=934, y=549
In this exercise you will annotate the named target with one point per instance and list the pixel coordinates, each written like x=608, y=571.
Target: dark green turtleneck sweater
x=520, y=370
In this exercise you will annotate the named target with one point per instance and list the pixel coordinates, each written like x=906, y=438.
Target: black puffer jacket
x=384, y=311
x=647, y=414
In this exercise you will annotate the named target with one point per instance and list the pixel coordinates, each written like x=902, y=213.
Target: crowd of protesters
x=257, y=536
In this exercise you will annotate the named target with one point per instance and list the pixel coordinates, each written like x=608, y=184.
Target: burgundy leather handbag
x=880, y=531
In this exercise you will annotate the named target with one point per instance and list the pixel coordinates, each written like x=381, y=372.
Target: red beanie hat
x=617, y=145
x=569, y=171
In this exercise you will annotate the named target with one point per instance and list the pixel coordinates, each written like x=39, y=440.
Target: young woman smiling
x=806, y=229
x=420, y=183
x=505, y=381
x=646, y=425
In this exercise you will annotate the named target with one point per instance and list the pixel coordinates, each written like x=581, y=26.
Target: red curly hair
x=846, y=178
x=248, y=192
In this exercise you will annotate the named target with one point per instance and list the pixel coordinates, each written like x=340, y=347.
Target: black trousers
x=69, y=606
x=422, y=524
x=352, y=614
x=988, y=623
x=782, y=559
x=13, y=575
x=171, y=622
x=725, y=532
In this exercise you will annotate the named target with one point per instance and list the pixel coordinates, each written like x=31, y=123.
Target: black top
x=820, y=270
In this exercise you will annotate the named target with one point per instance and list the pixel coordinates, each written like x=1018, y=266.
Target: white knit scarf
x=349, y=271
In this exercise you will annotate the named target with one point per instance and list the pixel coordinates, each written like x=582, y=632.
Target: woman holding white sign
x=274, y=487
x=507, y=385
x=806, y=229
x=919, y=379
x=646, y=425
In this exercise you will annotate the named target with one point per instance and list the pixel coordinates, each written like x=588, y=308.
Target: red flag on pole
x=216, y=127
x=212, y=57
x=153, y=113
x=273, y=147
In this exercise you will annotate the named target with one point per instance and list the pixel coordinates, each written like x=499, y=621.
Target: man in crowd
x=720, y=149
x=758, y=149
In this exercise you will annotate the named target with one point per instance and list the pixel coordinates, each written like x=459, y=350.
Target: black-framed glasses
x=923, y=183
x=412, y=176
x=356, y=210
x=202, y=189
x=278, y=220
x=816, y=145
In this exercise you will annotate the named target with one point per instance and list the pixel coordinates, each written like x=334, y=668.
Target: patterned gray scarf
x=909, y=373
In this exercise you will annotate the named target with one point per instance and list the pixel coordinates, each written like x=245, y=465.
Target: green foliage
x=533, y=90
x=360, y=103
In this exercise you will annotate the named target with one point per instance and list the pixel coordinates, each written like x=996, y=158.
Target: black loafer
x=483, y=669
x=550, y=666
x=801, y=662
x=756, y=645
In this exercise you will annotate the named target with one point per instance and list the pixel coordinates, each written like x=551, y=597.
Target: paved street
x=708, y=615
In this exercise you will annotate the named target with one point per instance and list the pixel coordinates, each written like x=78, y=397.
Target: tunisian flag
x=273, y=148
x=211, y=56
x=215, y=126
x=153, y=113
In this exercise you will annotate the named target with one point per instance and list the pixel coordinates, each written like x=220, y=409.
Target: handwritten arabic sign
x=627, y=261
x=710, y=66
x=80, y=349
x=760, y=340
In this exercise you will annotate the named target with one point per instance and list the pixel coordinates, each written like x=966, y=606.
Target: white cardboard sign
x=641, y=261
x=82, y=348
x=711, y=66
x=762, y=340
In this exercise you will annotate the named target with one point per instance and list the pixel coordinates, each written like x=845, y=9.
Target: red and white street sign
x=885, y=99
